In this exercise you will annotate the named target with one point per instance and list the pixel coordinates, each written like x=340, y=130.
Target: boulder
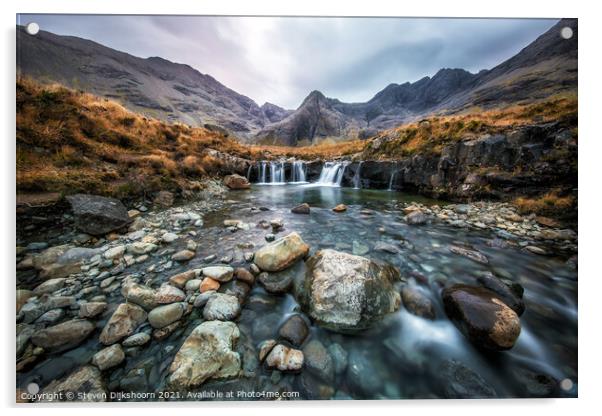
x=164, y=315
x=416, y=218
x=85, y=381
x=318, y=360
x=222, y=274
x=208, y=284
x=463, y=383
x=284, y=358
x=136, y=340
x=340, y=208
x=221, y=307
x=301, y=209
x=511, y=295
x=140, y=295
x=64, y=335
x=97, y=215
x=417, y=303
x=481, y=316
x=347, y=293
x=244, y=275
x=180, y=279
x=294, y=330
x=236, y=182
x=169, y=294
x=124, y=321
x=276, y=283
x=183, y=255
x=206, y=354
x=91, y=309
x=108, y=357
x=281, y=253
x=50, y=286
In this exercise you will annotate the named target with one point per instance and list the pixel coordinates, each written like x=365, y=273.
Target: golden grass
x=432, y=134
x=69, y=141
x=551, y=203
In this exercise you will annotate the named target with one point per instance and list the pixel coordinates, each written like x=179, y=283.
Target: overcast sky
x=282, y=59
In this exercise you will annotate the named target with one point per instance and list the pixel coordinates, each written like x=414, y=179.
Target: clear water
x=400, y=357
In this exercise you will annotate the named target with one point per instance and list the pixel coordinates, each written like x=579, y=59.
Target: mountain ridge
x=172, y=91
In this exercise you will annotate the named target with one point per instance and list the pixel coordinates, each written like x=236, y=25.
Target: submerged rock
x=347, y=293
x=301, y=209
x=281, y=253
x=64, y=335
x=340, y=208
x=108, y=357
x=284, y=358
x=124, y=321
x=481, y=316
x=471, y=254
x=460, y=382
x=276, y=283
x=98, y=215
x=416, y=218
x=417, y=303
x=86, y=380
x=206, y=354
x=294, y=330
x=510, y=295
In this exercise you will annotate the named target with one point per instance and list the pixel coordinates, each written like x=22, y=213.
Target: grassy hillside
x=432, y=134
x=69, y=142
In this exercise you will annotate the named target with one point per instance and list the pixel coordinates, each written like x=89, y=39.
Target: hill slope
x=154, y=86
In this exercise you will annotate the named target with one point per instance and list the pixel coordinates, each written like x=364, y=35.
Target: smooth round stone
x=169, y=294
x=193, y=285
x=221, y=307
x=136, y=340
x=162, y=316
x=220, y=273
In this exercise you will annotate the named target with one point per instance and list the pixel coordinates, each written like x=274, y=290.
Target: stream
x=404, y=356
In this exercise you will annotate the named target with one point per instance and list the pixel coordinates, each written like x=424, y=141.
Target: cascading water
x=393, y=173
x=298, y=172
x=277, y=172
x=249, y=172
x=357, y=184
x=262, y=172
x=332, y=173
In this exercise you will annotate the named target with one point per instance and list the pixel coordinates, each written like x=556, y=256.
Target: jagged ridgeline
x=175, y=92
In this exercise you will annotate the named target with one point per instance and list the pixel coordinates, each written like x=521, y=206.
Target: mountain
x=176, y=92
x=545, y=67
x=154, y=86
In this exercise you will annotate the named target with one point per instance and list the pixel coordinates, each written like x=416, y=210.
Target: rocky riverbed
x=296, y=292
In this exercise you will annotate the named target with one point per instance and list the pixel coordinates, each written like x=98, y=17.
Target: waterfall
x=277, y=172
x=332, y=173
x=298, y=171
x=391, y=180
x=262, y=172
x=249, y=172
x=357, y=184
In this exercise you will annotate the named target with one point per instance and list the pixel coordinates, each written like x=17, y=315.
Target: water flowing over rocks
x=481, y=316
x=347, y=293
x=281, y=253
x=206, y=354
